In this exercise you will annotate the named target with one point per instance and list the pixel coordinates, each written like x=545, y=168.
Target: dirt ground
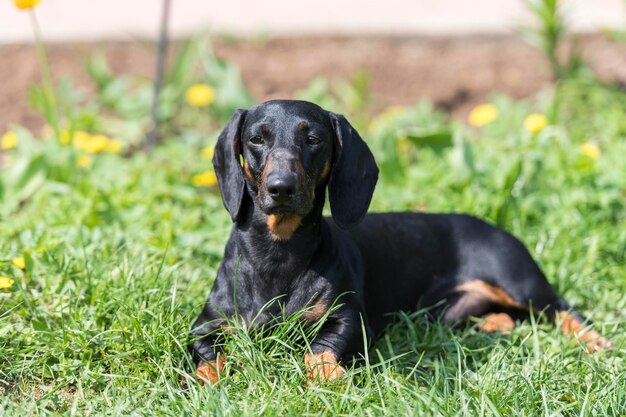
x=454, y=72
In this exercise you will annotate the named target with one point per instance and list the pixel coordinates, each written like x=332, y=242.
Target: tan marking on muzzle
x=325, y=171
x=266, y=169
x=246, y=168
x=282, y=226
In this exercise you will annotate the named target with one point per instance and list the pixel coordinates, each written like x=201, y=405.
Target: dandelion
x=96, y=144
x=9, y=140
x=64, y=137
x=205, y=179
x=200, y=95
x=535, y=122
x=590, y=150
x=26, y=4
x=80, y=139
x=84, y=161
x=19, y=262
x=207, y=152
x=6, y=282
x=482, y=115
x=114, y=146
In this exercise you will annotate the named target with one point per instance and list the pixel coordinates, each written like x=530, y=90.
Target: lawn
x=108, y=248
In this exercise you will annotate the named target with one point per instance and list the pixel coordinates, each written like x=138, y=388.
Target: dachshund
x=274, y=163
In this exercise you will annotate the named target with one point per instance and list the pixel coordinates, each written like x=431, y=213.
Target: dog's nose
x=281, y=187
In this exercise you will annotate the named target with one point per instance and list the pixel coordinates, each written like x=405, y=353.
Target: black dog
x=274, y=163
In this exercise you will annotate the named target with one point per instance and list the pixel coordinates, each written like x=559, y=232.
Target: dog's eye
x=256, y=140
x=312, y=140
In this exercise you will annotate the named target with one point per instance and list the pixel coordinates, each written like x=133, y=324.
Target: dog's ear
x=227, y=164
x=353, y=177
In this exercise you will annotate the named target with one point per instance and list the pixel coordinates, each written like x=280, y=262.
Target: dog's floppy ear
x=228, y=166
x=353, y=177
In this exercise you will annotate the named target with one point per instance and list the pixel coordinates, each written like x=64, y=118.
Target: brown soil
x=455, y=72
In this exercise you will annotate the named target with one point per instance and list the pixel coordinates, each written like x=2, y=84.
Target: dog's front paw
x=206, y=372
x=322, y=367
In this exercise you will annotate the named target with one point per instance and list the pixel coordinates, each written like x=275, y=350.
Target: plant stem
x=45, y=69
x=151, y=138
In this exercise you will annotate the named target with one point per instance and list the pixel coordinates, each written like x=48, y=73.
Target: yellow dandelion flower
x=84, y=161
x=114, y=146
x=96, y=144
x=535, y=122
x=19, y=262
x=482, y=115
x=207, y=152
x=9, y=140
x=64, y=137
x=205, y=179
x=80, y=139
x=200, y=95
x=6, y=282
x=590, y=150
x=26, y=4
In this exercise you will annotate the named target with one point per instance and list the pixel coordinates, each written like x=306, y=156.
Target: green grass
x=121, y=256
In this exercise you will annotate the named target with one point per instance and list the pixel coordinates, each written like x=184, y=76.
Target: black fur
x=379, y=263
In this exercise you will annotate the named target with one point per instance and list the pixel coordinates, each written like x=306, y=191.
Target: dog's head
x=287, y=152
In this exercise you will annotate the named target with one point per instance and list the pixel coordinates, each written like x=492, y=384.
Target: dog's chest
x=272, y=304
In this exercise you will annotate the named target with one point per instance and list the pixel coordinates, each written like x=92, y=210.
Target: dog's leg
x=575, y=325
x=207, y=355
x=480, y=299
x=340, y=335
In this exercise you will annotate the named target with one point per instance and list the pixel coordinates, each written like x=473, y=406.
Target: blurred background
x=453, y=53
x=112, y=225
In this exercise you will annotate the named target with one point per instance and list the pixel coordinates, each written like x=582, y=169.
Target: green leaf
x=21, y=180
x=98, y=69
x=434, y=139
